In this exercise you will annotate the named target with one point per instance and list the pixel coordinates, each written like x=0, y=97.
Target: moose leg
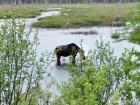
x=58, y=60
x=73, y=59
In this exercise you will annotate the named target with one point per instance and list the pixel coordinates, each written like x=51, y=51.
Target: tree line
x=61, y=1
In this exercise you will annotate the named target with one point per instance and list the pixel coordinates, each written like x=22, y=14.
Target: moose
x=67, y=50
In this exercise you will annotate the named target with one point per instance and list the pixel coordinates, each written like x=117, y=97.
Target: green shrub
x=20, y=69
x=102, y=80
x=135, y=35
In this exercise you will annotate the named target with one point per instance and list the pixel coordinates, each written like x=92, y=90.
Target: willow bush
x=21, y=71
x=103, y=80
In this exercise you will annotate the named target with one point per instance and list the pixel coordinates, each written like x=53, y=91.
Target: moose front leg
x=58, y=60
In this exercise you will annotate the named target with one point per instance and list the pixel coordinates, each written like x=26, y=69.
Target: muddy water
x=50, y=38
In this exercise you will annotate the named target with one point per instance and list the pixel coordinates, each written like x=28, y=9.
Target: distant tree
x=17, y=2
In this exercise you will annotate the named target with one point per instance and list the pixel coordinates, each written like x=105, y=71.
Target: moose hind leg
x=73, y=59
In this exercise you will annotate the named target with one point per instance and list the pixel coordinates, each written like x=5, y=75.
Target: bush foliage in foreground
x=103, y=80
x=20, y=69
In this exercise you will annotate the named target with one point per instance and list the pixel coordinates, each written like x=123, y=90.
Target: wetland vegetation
x=135, y=34
x=100, y=79
x=24, y=11
x=87, y=15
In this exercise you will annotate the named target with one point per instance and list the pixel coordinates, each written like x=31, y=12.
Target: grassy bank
x=135, y=35
x=86, y=15
x=24, y=11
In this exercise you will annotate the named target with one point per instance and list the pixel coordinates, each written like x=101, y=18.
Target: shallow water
x=50, y=38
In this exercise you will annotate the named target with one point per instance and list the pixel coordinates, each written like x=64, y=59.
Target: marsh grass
x=24, y=11
x=135, y=35
x=86, y=15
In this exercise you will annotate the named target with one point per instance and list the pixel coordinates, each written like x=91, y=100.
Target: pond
x=50, y=38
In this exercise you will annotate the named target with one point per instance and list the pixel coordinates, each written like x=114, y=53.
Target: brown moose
x=67, y=50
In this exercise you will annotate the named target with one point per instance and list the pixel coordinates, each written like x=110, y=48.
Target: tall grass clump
x=21, y=71
x=103, y=80
x=135, y=34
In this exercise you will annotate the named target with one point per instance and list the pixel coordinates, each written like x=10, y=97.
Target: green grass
x=24, y=11
x=85, y=15
x=115, y=35
x=135, y=35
